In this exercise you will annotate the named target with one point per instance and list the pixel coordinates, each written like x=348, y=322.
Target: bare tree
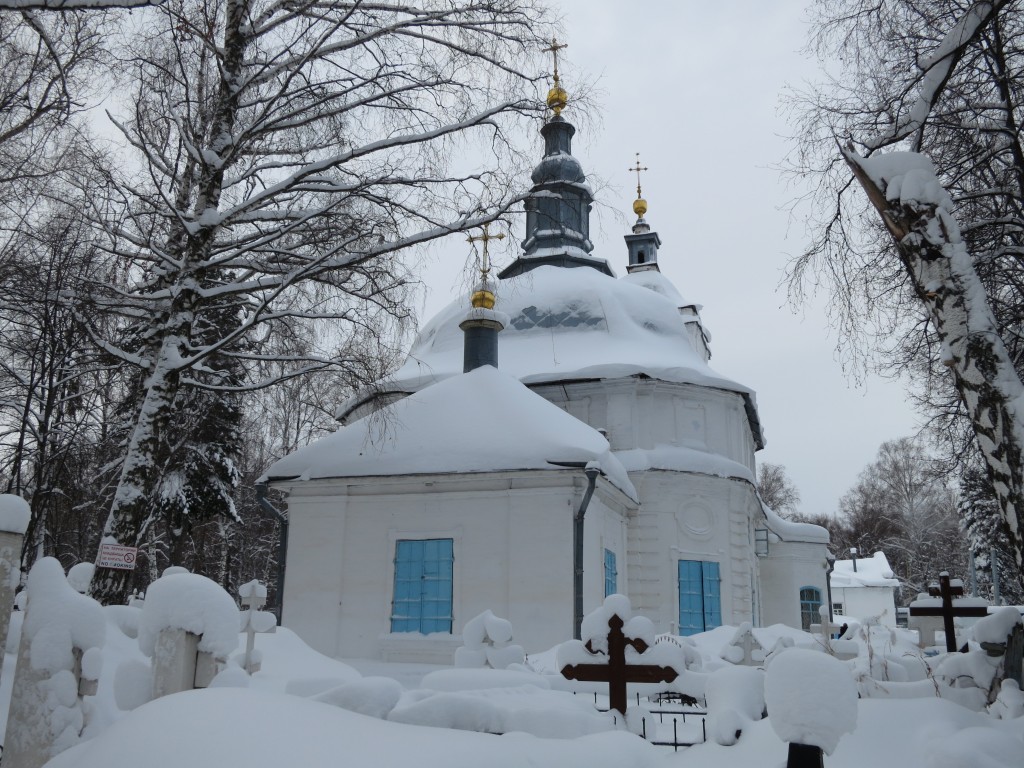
x=936, y=280
x=290, y=152
x=776, y=488
x=903, y=507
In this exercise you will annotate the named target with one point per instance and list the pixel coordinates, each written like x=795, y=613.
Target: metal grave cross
x=617, y=673
x=947, y=591
x=253, y=620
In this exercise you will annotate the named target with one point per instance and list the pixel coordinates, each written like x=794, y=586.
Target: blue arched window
x=810, y=602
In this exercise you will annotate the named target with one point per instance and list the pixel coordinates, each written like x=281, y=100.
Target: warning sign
x=115, y=556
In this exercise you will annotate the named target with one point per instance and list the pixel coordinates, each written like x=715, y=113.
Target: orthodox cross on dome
x=483, y=296
x=639, y=205
x=485, y=238
x=557, y=97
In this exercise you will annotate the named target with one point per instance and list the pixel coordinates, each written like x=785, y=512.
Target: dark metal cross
x=617, y=673
x=485, y=238
x=947, y=592
x=638, y=168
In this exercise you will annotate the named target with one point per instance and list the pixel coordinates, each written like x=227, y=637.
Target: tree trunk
x=934, y=256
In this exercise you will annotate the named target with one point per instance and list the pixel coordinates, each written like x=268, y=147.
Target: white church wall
x=788, y=567
x=316, y=538
x=686, y=516
x=512, y=553
x=643, y=413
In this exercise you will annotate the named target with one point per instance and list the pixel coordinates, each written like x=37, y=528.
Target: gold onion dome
x=482, y=298
x=557, y=98
x=640, y=207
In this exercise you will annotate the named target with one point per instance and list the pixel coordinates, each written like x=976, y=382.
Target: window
x=700, y=596
x=611, y=580
x=837, y=608
x=423, y=586
x=810, y=602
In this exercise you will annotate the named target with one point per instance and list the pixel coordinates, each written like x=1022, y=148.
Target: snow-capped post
x=14, y=517
x=59, y=662
x=612, y=645
x=189, y=627
x=254, y=596
x=487, y=642
x=811, y=700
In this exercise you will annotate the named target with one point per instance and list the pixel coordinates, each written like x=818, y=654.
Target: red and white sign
x=115, y=556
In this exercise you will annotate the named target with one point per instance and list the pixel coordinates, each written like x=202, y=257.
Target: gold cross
x=553, y=49
x=638, y=168
x=485, y=238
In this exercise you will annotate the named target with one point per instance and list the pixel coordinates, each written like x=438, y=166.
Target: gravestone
x=14, y=517
x=616, y=672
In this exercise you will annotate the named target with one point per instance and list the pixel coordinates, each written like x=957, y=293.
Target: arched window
x=810, y=602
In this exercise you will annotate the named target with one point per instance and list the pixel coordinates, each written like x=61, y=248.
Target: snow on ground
x=304, y=708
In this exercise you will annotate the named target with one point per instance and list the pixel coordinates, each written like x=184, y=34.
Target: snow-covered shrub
x=487, y=642
x=811, y=698
x=735, y=698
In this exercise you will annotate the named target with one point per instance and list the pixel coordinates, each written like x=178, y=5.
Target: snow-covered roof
x=570, y=324
x=871, y=571
x=481, y=421
x=654, y=280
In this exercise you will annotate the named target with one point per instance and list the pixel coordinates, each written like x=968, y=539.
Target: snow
x=481, y=421
x=330, y=712
x=871, y=571
x=14, y=513
x=194, y=603
x=569, y=324
x=58, y=619
x=80, y=575
x=996, y=627
x=735, y=698
x=811, y=698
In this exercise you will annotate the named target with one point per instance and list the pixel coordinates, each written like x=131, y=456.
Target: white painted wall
x=512, y=535
x=788, y=567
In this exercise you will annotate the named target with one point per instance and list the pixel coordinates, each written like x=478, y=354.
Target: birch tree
x=290, y=152
x=932, y=280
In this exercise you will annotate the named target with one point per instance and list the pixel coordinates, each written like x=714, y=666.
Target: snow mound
x=811, y=698
x=195, y=604
x=14, y=513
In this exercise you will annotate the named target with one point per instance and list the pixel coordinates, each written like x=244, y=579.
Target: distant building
x=865, y=587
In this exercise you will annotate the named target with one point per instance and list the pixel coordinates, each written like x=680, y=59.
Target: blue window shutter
x=423, y=586
x=611, y=575
x=700, y=596
x=712, y=596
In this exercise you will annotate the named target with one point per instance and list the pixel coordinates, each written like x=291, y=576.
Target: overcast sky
x=695, y=88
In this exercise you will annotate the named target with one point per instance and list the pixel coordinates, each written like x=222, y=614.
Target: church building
x=556, y=438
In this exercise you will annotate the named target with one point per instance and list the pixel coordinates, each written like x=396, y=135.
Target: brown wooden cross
x=947, y=592
x=617, y=673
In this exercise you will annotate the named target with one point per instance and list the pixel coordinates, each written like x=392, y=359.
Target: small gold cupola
x=557, y=97
x=482, y=323
x=643, y=244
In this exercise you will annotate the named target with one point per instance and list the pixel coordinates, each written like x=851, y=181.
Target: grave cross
x=254, y=597
x=617, y=672
x=947, y=591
